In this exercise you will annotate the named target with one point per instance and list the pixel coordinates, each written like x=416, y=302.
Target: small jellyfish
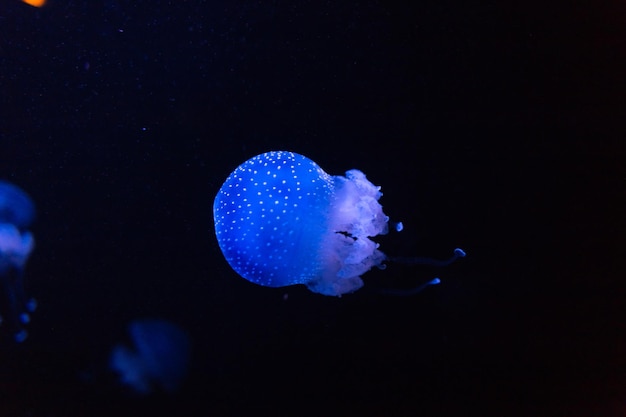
x=17, y=212
x=281, y=220
x=160, y=359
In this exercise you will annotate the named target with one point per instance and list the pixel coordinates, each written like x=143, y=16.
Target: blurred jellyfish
x=17, y=212
x=35, y=3
x=281, y=220
x=159, y=360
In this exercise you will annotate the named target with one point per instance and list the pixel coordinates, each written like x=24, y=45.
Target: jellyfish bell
x=17, y=212
x=158, y=360
x=16, y=207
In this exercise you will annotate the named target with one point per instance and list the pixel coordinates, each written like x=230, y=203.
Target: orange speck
x=35, y=3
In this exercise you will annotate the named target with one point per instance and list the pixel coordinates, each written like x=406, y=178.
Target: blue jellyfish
x=160, y=360
x=281, y=220
x=17, y=212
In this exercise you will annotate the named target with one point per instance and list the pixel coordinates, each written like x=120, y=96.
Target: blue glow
x=17, y=211
x=160, y=360
x=16, y=207
x=281, y=220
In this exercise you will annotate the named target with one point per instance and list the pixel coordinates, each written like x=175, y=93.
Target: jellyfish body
x=17, y=212
x=160, y=359
x=281, y=220
x=16, y=207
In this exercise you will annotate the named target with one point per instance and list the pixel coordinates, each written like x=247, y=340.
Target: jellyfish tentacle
x=458, y=253
x=410, y=291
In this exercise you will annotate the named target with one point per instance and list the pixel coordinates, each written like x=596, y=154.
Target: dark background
x=498, y=128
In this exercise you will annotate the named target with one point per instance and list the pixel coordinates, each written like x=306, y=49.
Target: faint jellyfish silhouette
x=281, y=220
x=17, y=212
x=159, y=360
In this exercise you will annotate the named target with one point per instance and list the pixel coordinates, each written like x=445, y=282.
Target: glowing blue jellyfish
x=281, y=220
x=17, y=212
x=160, y=360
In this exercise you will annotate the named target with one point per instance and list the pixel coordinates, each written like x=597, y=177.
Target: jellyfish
x=35, y=3
x=17, y=212
x=159, y=360
x=280, y=220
